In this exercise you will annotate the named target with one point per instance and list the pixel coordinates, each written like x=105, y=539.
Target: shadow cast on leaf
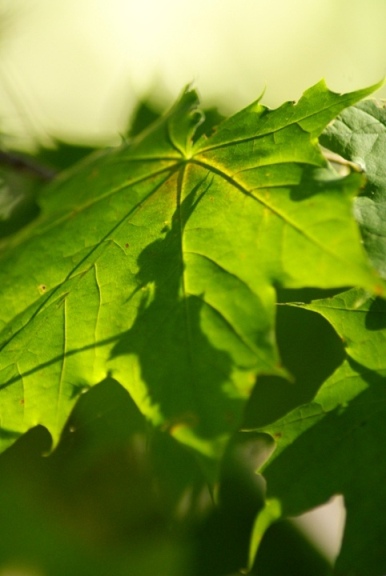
x=185, y=375
x=341, y=453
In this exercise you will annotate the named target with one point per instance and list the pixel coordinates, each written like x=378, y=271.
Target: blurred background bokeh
x=76, y=69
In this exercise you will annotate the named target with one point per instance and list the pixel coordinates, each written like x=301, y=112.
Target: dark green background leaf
x=93, y=507
x=336, y=443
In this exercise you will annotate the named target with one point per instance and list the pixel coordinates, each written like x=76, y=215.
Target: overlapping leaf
x=335, y=444
x=359, y=135
x=156, y=263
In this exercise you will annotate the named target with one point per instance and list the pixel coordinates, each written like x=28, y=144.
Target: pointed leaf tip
x=185, y=117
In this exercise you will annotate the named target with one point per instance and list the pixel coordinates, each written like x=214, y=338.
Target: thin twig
x=24, y=164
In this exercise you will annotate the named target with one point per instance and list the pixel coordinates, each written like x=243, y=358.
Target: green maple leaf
x=359, y=135
x=335, y=444
x=156, y=263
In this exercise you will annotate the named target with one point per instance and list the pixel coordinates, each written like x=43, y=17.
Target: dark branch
x=24, y=164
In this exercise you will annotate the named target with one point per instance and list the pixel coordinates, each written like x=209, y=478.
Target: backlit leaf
x=335, y=444
x=156, y=263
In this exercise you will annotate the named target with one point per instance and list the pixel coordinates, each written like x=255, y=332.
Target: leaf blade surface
x=156, y=263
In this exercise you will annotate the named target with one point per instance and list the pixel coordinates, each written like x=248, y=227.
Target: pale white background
x=75, y=68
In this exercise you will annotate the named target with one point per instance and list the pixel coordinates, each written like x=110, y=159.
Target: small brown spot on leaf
x=42, y=288
x=127, y=245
